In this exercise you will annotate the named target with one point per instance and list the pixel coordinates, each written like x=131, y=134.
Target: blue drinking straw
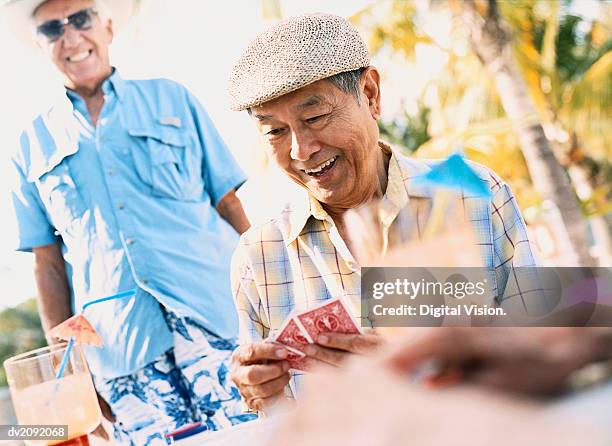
x=64, y=362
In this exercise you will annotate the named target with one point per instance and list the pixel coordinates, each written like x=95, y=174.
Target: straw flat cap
x=292, y=54
x=17, y=15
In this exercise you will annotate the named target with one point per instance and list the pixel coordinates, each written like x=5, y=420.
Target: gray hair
x=348, y=82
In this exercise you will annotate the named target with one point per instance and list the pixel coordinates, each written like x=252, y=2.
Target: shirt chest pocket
x=62, y=198
x=165, y=158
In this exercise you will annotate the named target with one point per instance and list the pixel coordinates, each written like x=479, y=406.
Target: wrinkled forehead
x=319, y=93
x=59, y=9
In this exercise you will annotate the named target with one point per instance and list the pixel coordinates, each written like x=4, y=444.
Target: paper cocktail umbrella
x=78, y=328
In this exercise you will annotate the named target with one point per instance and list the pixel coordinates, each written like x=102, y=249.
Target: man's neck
x=376, y=192
x=93, y=95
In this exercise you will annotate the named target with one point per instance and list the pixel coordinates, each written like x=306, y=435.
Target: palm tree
x=484, y=108
x=492, y=43
x=567, y=60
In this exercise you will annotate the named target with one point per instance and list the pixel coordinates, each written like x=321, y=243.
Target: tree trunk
x=491, y=42
x=578, y=168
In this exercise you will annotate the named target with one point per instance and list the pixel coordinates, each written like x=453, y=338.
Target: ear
x=109, y=30
x=370, y=86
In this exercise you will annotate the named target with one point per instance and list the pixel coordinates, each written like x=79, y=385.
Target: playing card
x=296, y=359
x=293, y=338
x=330, y=317
x=291, y=334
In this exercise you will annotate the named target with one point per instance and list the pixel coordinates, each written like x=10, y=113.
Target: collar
x=112, y=84
x=399, y=188
x=62, y=128
x=116, y=82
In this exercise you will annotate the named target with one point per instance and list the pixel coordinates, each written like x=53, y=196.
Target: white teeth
x=321, y=166
x=79, y=56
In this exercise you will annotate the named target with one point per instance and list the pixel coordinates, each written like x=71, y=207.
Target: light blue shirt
x=133, y=202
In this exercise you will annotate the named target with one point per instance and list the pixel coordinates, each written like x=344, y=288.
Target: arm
x=230, y=208
x=53, y=292
x=519, y=291
x=54, y=304
x=221, y=174
x=36, y=234
x=258, y=368
x=511, y=246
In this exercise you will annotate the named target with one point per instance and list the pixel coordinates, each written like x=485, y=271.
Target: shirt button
x=121, y=206
x=145, y=281
x=111, y=172
x=130, y=241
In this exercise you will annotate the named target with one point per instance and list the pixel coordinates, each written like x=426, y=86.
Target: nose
x=71, y=37
x=303, y=145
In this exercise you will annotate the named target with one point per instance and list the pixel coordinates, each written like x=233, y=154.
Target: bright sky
x=190, y=41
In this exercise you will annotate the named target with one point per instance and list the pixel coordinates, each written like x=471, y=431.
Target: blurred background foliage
x=565, y=61
x=20, y=331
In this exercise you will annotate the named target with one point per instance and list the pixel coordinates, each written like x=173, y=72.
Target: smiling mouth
x=321, y=168
x=79, y=57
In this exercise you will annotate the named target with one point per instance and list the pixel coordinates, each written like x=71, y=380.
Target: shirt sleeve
x=33, y=227
x=220, y=171
x=252, y=322
x=252, y=327
x=514, y=257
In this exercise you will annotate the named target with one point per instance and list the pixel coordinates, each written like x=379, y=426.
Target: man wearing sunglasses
x=127, y=185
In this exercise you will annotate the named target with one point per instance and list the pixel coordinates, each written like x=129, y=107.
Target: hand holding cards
x=302, y=329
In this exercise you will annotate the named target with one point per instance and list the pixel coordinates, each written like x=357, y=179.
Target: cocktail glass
x=42, y=399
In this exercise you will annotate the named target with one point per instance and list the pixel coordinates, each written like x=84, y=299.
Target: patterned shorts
x=186, y=384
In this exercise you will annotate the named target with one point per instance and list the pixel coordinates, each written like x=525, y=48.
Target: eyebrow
x=262, y=117
x=309, y=102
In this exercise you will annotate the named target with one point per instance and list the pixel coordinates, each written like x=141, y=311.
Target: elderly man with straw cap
x=308, y=84
x=125, y=184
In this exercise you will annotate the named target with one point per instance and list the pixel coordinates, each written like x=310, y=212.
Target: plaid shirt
x=298, y=259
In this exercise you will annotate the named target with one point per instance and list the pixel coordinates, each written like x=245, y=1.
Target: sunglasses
x=54, y=29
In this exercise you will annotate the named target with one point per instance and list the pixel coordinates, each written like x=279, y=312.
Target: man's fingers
x=324, y=354
x=256, y=403
x=354, y=343
x=259, y=351
x=260, y=373
x=254, y=376
x=449, y=346
x=265, y=390
x=271, y=388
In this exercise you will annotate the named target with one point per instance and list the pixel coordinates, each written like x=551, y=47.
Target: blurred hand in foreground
x=366, y=405
x=535, y=361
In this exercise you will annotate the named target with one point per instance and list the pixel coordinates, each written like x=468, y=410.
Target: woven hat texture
x=294, y=53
